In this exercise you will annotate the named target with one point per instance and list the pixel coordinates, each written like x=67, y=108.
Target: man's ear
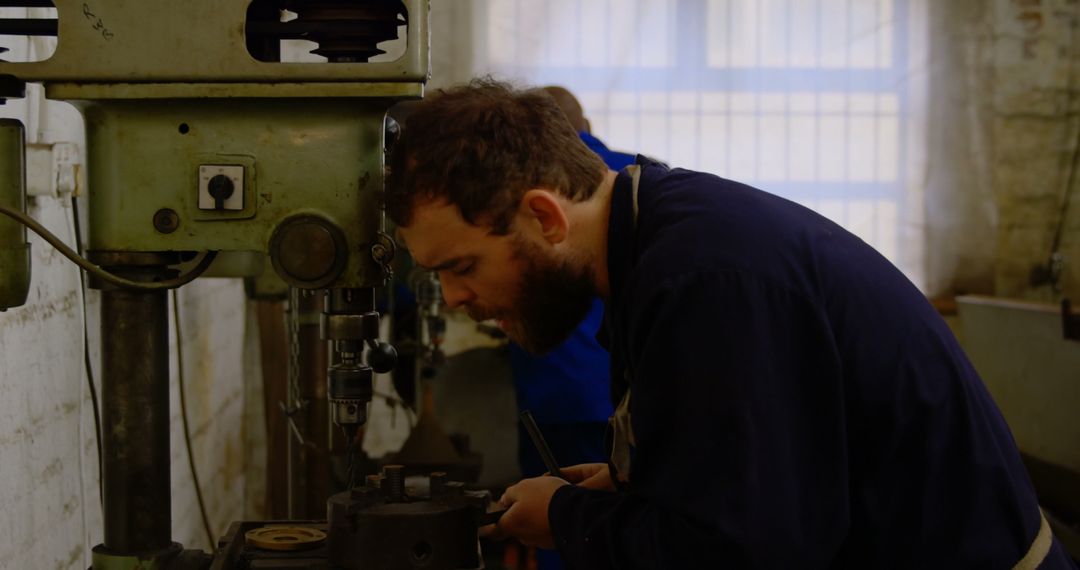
x=543, y=210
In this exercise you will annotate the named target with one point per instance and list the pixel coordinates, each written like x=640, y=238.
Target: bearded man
x=787, y=398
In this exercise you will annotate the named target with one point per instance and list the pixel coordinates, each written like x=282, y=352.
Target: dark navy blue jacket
x=796, y=402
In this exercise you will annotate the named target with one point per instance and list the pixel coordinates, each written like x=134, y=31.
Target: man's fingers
x=493, y=532
x=509, y=497
x=526, y=516
x=590, y=476
x=599, y=482
x=578, y=473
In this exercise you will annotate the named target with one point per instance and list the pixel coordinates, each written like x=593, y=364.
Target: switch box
x=221, y=187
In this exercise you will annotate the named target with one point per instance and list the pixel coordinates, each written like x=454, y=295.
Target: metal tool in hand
x=541, y=445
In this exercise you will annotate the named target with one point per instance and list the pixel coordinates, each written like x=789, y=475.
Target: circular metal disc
x=285, y=537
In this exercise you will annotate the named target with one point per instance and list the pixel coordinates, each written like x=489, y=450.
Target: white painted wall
x=50, y=515
x=48, y=476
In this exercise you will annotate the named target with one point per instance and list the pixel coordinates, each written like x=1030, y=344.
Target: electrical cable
x=100, y=273
x=1070, y=179
x=86, y=353
x=184, y=418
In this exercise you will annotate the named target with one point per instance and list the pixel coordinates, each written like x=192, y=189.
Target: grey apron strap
x=635, y=173
x=622, y=430
x=1040, y=547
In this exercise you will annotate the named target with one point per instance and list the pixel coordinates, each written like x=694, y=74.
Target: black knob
x=220, y=188
x=382, y=357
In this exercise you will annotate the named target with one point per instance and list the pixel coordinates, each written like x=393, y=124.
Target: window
x=807, y=99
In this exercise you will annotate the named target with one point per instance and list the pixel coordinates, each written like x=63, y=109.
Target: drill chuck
x=349, y=391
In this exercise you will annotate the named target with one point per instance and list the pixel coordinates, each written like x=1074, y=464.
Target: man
x=793, y=400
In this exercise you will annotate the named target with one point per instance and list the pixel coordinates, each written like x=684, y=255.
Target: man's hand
x=590, y=475
x=526, y=516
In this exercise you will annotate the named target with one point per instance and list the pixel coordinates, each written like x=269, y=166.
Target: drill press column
x=14, y=249
x=135, y=410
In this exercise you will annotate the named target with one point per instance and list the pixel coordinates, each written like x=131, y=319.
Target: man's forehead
x=436, y=232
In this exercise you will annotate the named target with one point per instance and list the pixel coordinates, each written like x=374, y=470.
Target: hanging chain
x=293, y=401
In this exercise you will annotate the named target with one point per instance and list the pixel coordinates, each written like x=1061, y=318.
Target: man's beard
x=553, y=299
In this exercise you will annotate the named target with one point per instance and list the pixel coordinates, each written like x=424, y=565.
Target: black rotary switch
x=220, y=188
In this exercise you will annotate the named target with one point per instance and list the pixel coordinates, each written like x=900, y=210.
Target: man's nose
x=454, y=292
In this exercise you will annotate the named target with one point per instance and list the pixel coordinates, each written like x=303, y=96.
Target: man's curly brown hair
x=481, y=146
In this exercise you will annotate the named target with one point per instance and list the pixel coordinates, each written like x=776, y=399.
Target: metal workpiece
x=392, y=526
x=135, y=418
x=127, y=41
x=285, y=538
x=236, y=550
x=14, y=249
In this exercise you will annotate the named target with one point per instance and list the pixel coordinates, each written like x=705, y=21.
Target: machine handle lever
x=383, y=356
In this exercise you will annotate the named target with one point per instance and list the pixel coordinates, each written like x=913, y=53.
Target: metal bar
x=135, y=417
x=28, y=27
x=26, y=4
x=541, y=446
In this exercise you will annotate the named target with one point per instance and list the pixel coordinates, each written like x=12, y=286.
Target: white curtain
x=819, y=101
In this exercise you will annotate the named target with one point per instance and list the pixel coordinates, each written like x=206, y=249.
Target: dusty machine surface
x=209, y=155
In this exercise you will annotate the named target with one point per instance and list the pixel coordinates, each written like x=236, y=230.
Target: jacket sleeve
x=737, y=407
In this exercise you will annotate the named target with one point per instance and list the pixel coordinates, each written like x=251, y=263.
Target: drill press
x=202, y=144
